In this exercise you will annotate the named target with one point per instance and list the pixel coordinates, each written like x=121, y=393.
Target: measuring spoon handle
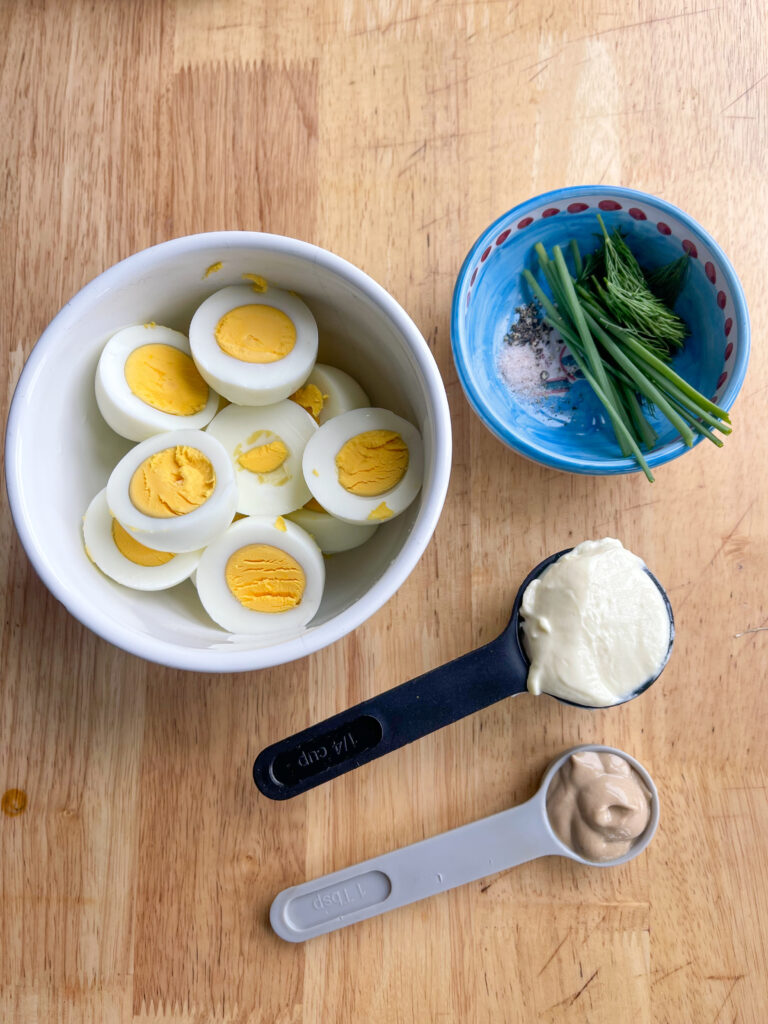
x=390, y=720
x=435, y=865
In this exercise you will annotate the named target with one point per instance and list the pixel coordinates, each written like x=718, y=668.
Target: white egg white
x=321, y=474
x=252, y=383
x=179, y=533
x=126, y=413
x=340, y=391
x=102, y=550
x=240, y=428
x=331, y=534
x=222, y=605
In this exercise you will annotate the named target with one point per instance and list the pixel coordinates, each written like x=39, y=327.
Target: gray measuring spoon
x=411, y=710
x=443, y=862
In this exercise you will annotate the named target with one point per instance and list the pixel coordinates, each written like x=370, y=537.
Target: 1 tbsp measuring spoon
x=407, y=712
x=443, y=862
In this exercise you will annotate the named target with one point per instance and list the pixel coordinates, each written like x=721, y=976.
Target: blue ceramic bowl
x=560, y=423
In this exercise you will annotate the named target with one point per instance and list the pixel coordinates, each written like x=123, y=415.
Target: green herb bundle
x=618, y=324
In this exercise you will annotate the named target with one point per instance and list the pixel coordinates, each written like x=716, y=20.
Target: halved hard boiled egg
x=332, y=535
x=365, y=466
x=329, y=392
x=147, y=383
x=174, y=492
x=263, y=576
x=254, y=347
x=266, y=444
x=124, y=559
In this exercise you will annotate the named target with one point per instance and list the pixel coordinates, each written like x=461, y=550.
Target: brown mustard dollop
x=598, y=805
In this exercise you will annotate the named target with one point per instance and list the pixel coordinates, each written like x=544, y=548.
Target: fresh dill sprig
x=627, y=296
x=620, y=329
x=667, y=282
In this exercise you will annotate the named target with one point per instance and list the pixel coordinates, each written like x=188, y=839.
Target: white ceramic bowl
x=59, y=451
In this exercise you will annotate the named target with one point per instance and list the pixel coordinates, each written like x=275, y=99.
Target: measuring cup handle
x=390, y=720
x=424, y=869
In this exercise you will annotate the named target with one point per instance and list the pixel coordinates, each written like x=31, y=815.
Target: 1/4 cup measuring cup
x=443, y=862
x=411, y=710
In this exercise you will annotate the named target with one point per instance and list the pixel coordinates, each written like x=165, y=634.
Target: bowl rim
x=169, y=653
x=586, y=464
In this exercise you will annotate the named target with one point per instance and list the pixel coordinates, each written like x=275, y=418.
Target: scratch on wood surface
x=731, y=987
x=544, y=60
x=435, y=220
x=594, y=927
x=383, y=29
x=570, y=1000
x=555, y=952
x=480, y=74
x=421, y=143
x=755, y=629
x=602, y=115
x=410, y=160
x=757, y=391
x=668, y=974
x=537, y=73
x=629, y=508
x=746, y=92
x=498, y=878
x=720, y=547
x=645, y=21
x=586, y=984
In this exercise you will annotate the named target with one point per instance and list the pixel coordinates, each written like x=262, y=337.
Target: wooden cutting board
x=137, y=860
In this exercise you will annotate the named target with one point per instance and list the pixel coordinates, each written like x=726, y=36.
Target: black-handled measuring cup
x=411, y=710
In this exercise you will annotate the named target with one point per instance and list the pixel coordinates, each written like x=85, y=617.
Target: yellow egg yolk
x=311, y=398
x=135, y=552
x=256, y=334
x=372, y=462
x=167, y=379
x=313, y=505
x=257, y=282
x=265, y=578
x=380, y=513
x=214, y=268
x=265, y=457
x=172, y=482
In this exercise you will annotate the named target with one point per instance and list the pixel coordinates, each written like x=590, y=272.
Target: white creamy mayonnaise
x=595, y=625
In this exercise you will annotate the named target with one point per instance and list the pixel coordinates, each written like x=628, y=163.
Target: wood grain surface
x=134, y=885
